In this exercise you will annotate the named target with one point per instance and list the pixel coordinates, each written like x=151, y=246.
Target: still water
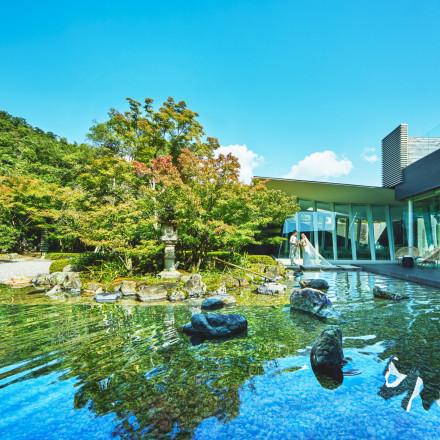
x=73, y=369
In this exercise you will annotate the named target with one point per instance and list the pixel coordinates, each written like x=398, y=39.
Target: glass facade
x=362, y=232
x=427, y=224
x=365, y=232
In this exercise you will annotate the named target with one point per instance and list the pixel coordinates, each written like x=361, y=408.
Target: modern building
x=353, y=223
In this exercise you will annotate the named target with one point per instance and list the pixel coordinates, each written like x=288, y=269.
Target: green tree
x=27, y=207
x=142, y=133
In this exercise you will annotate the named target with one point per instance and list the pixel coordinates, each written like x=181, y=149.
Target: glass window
x=325, y=221
x=381, y=242
x=361, y=229
x=343, y=240
x=399, y=220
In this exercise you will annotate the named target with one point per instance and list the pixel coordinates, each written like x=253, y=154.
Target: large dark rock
x=215, y=326
x=327, y=351
x=383, y=294
x=194, y=286
x=314, y=284
x=313, y=301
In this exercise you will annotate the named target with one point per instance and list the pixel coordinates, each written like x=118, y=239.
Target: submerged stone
x=215, y=325
x=317, y=283
x=383, y=294
x=313, y=301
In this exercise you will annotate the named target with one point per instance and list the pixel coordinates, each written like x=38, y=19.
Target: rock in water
x=155, y=292
x=215, y=326
x=383, y=294
x=314, y=284
x=271, y=288
x=218, y=301
x=128, y=288
x=327, y=351
x=107, y=297
x=212, y=304
x=313, y=301
x=194, y=286
x=176, y=296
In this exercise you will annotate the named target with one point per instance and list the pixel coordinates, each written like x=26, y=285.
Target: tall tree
x=142, y=134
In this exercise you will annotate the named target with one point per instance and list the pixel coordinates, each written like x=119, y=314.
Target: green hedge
x=59, y=265
x=60, y=255
x=261, y=259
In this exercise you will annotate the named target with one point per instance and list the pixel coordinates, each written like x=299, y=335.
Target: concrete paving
x=23, y=267
x=425, y=275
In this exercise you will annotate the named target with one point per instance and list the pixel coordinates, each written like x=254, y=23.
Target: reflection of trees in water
x=134, y=363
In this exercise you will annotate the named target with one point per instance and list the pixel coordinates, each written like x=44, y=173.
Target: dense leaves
x=145, y=167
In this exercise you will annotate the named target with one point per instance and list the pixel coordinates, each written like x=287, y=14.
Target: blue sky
x=311, y=84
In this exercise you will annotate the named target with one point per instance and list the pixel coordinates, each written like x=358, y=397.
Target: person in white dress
x=311, y=257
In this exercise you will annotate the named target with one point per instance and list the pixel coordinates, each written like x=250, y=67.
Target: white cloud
x=371, y=158
x=320, y=165
x=247, y=158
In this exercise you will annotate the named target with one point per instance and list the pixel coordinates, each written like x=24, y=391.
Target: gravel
x=23, y=267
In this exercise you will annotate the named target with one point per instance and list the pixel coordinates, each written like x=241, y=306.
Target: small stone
x=128, y=288
x=212, y=304
x=75, y=285
x=176, y=296
x=194, y=286
x=54, y=290
x=107, y=297
x=156, y=292
x=383, y=294
x=271, y=288
x=317, y=283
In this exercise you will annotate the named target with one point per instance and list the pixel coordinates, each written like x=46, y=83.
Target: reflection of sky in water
x=107, y=362
x=290, y=404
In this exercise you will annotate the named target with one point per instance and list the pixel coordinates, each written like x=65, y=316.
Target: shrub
x=261, y=259
x=60, y=255
x=59, y=265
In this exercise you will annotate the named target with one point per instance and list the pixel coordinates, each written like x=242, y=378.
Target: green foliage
x=31, y=152
x=60, y=255
x=151, y=165
x=59, y=265
x=142, y=133
x=261, y=259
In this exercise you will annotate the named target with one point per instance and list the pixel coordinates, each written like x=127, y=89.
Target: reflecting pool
x=73, y=369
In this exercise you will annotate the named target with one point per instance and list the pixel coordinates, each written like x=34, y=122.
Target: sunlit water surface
x=73, y=369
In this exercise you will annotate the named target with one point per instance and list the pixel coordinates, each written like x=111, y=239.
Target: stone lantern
x=169, y=238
